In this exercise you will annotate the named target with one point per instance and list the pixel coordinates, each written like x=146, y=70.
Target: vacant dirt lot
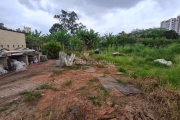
x=68, y=93
x=26, y=79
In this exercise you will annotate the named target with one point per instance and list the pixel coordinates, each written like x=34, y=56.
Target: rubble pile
x=2, y=70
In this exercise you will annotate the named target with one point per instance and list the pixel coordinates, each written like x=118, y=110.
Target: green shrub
x=121, y=69
x=52, y=49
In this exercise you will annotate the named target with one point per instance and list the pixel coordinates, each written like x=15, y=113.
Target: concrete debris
x=62, y=55
x=90, y=70
x=79, y=61
x=43, y=58
x=119, y=73
x=64, y=59
x=97, y=51
x=109, y=83
x=163, y=61
x=2, y=53
x=32, y=59
x=117, y=54
x=129, y=109
x=58, y=63
x=86, y=54
x=2, y=70
x=69, y=60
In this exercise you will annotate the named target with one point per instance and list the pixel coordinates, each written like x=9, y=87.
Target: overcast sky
x=101, y=15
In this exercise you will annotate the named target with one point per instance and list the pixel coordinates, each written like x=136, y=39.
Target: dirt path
x=25, y=79
x=71, y=94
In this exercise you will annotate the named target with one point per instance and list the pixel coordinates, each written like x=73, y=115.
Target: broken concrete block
x=109, y=83
x=58, y=63
x=163, y=61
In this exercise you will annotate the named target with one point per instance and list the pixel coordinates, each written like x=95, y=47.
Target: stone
x=117, y=54
x=58, y=63
x=150, y=115
x=119, y=73
x=163, y=61
x=90, y=70
x=129, y=109
x=97, y=51
x=111, y=110
x=109, y=103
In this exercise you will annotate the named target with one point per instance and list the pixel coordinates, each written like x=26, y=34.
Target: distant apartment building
x=27, y=29
x=178, y=24
x=172, y=24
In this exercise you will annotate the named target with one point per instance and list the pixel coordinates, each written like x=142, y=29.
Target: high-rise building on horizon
x=178, y=24
x=172, y=24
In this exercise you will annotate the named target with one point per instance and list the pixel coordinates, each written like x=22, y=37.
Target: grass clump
x=95, y=101
x=120, y=81
x=94, y=80
x=68, y=83
x=31, y=96
x=47, y=86
x=44, y=86
x=121, y=69
x=13, y=80
x=104, y=91
x=8, y=105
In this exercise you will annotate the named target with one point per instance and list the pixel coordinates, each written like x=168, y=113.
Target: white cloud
x=114, y=18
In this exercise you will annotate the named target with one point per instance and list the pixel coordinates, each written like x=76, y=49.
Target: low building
x=13, y=48
x=12, y=39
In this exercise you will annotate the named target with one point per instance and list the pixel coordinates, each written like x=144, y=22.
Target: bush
x=51, y=49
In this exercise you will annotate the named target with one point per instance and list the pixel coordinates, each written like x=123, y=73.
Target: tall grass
x=139, y=62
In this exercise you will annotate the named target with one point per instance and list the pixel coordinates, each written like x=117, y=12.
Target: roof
x=17, y=51
x=12, y=30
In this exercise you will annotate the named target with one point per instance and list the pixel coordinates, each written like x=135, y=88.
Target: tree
x=148, y=33
x=18, y=30
x=36, y=33
x=76, y=43
x=90, y=38
x=61, y=36
x=67, y=21
x=111, y=39
x=33, y=39
x=171, y=34
x=2, y=26
x=55, y=28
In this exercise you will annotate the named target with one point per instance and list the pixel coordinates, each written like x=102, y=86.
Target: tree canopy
x=67, y=21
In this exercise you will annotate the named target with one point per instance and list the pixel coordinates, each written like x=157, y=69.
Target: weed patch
x=46, y=86
x=95, y=101
x=120, y=81
x=13, y=80
x=8, y=105
x=106, y=72
x=121, y=69
x=68, y=83
x=31, y=96
x=104, y=91
x=94, y=80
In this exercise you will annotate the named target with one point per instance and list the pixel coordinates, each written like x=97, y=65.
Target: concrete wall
x=3, y=61
x=24, y=59
x=11, y=40
x=38, y=56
